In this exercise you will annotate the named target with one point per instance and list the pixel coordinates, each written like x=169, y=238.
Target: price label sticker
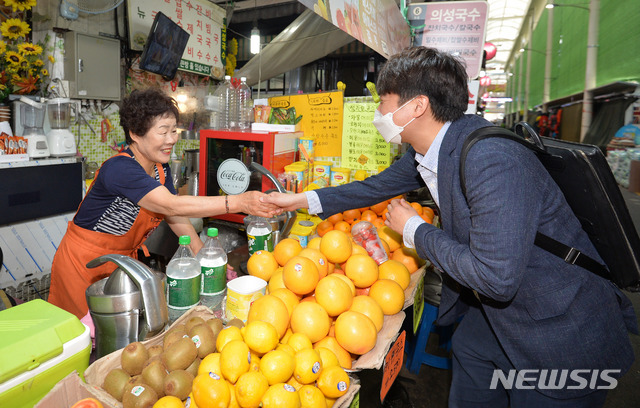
x=418, y=305
x=392, y=364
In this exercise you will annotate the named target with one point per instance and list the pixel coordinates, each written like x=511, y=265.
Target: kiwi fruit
x=139, y=396
x=155, y=350
x=193, y=368
x=154, y=374
x=157, y=357
x=216, y=326
x=133, y=358
x=203, y=338
x=178, y=384
x=133, y=381
x=236, y=322
x=180, y=354
x=115, y=382
x=173, y=336
x=193, y=321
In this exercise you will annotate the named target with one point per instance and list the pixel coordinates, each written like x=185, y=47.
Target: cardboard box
x=40, y=345
x=72, y=389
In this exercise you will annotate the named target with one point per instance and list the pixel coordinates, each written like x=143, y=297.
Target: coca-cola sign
x=233, y=176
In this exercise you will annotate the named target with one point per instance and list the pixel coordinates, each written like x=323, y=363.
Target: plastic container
x=259, y=236
x=241, y=293
x=245, y=106
x=183, y=280
x=301, y=231
x=299, y=171
x=40, y=345
x=213, y=268
x=215, y=103
x=366, y=235
x=322, y=172
x=228, y=98
x=339, y=176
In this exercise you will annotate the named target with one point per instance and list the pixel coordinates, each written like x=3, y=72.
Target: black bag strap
x=568, y=254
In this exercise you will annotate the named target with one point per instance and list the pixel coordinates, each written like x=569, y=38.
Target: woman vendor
x=131, y=194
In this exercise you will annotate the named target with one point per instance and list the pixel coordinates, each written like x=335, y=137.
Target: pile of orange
x=336, y=294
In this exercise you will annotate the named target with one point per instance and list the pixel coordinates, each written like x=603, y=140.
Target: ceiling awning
x=308, y=38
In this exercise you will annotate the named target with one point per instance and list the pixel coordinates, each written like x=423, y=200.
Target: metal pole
x=527, y=83
x=591, y=67
x=546, y=93
x=520, y=74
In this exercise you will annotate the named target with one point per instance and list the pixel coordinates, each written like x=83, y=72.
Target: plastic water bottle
x=227, y=103
x=213, y=267
x=231, y=104
x=245, y=106
x=183, y=280
x=216, y=104
x=259, y=236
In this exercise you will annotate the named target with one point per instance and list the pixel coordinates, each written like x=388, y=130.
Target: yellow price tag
x=418, y=305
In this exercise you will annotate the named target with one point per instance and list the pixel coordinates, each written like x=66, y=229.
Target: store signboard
x=376, y=23
x=203, y=20
x=474, y=88
x=457, y=27
x=363, y=148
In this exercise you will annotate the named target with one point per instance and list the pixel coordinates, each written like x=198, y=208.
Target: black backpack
x=584, y=177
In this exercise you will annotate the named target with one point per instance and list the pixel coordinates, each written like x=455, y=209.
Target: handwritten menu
x=392, y=365
x=204, y=21
x=376, y=23
x=362, y=146
x=457, y=27
x=321, y=119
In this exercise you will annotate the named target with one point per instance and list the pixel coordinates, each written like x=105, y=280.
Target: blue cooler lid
x=33, y=333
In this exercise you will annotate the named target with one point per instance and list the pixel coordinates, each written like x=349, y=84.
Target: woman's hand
x=399, y=213
x=251, y=202
x=286, y=202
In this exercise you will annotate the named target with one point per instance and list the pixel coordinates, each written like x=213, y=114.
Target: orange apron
x=70, y=277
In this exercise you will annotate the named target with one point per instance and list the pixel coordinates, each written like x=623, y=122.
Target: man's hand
x=250, y=202
x=285, y=202
x=399, y=213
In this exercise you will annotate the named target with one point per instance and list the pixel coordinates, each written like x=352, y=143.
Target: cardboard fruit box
x=72, y=389
x=97, y=371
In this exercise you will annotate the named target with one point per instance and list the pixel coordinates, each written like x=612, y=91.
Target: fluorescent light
x=550, y=6
x=255, y=40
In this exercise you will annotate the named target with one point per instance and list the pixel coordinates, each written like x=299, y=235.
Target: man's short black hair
x=427, y=71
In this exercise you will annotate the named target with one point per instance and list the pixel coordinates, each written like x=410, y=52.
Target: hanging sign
x=376, y=23
x=363, y=148
x=203, y=20
x=457, y=27
x=474, y=88
x=392, y=365
x=321, y=119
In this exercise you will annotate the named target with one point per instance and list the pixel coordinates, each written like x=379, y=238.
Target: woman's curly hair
x=139, y=111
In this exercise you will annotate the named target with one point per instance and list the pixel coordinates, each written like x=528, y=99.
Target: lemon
x=287, y=348
x=333, y=382
x=250, y=388
x=311, y=397
x=254, y=364
x=308, y=366
x=330, y=401
x=286, y=336
x=235, y=359
x=210, y=364
x=299, y=341
x=281, y=396
x=327, y=356
x=233, y=401
x=226, y=335
x=294, y=383
x=277, y=366
x=190, y=402
x=210, y=390
x=169, y=402
x=260, y=336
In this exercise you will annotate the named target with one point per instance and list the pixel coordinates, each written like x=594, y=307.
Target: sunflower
x=51, y=59
x=14, y=28
x=20, y=4
x=45, y=72
x=29, y=49
x=13, y=58
x=3, y=47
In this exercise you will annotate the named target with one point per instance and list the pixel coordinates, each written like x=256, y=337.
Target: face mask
x=387, y=128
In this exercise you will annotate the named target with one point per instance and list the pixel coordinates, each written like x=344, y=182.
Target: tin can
x=340, y=176
x=307, y=143
x=259, y=236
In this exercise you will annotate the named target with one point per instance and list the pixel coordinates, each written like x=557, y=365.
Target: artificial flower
x=14, y=29
x=29, y=49
x=20, y=5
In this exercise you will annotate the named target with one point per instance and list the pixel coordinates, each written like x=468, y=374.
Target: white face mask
x=387, y=128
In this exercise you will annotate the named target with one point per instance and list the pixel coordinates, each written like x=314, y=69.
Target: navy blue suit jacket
x=547, y=314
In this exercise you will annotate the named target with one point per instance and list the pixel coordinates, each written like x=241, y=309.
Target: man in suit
x=524, y=309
